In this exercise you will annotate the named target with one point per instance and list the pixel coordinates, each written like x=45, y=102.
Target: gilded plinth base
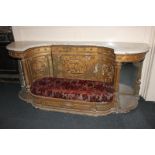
x=67, y=107
x=114, y=107
x=73, y=111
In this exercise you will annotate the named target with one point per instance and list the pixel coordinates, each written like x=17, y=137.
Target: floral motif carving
x=38, y=66
x=108, y=72
x=77, y=64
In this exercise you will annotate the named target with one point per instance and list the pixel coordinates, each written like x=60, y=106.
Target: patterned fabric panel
x=73, y=89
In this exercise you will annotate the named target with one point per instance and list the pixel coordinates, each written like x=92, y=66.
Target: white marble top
x=119, y=47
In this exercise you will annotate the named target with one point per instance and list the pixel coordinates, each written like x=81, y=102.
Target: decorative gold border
x=130, y=57
x=119, y=57
x=73, y=106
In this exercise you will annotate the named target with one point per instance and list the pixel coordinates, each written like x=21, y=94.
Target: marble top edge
x=119, y=47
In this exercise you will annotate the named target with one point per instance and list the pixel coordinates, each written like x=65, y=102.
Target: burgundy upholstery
x=85, y=90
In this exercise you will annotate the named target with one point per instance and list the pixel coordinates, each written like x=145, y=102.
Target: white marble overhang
x=119, y=47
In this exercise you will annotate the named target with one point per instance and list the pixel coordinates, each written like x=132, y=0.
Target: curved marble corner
x=119, y=47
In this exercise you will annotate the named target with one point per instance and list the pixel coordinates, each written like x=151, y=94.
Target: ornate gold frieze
x=130, y=57
x=76, y=64
x=107, y=72
x=36, y=63
x=83, y=63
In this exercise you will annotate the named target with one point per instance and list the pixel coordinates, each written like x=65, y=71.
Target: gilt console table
x=92, y=78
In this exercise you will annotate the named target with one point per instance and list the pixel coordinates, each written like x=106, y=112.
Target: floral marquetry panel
x=75, y=66
x=37, y=64
x=107, y=72
x=88, y=63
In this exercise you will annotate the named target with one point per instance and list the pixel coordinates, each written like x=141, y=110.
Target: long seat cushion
x=73, y=89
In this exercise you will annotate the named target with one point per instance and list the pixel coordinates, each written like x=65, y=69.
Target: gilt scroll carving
x=107, y=72
x=77, y=64
x=37, y=63
x=38, y=66
x=90, y=63
x=74, y=64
